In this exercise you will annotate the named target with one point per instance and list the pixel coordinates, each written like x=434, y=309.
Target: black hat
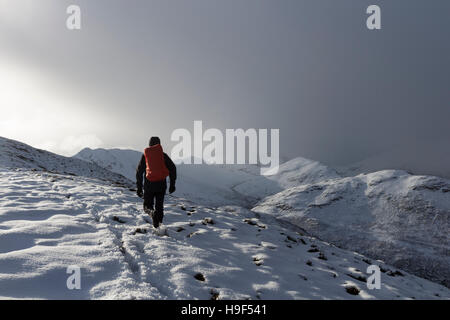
x=154, y=141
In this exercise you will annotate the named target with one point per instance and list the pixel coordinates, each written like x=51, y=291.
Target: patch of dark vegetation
x=313, y=250
x=321, y=205
x=140, y=230
x=284, y=207
x=291, y=239
x=214, y=294
x=322, y=256
x=433, y=186
x=250, y=222
x=394, y=273
x=309, y=263
x=303, y=277
x=25, y=158
x=208, y=221
x=314, y=188
x=357, y=277
x=179, y=229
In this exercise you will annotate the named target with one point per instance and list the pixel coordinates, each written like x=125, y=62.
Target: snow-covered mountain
x=50, y=221
x=17, y=156
x=218, y=184
x=390, y=215
x=121, y=161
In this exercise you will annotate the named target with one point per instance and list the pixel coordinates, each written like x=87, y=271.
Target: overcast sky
x=337, y=91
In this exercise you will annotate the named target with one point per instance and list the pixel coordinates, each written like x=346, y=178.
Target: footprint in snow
x=117, y=219
x=140, y=230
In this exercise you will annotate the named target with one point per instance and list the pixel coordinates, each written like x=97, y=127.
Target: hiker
x=157, y=166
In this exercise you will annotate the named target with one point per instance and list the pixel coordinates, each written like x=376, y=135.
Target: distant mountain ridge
x=18, y=155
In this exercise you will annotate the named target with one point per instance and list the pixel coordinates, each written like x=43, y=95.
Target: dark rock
x=214, y=294
x=199, y=277
x=352, y=290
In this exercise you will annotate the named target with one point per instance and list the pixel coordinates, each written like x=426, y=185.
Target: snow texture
x=50, y=221
x=390, y=215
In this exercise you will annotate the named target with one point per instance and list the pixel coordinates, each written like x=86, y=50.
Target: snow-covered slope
x=50, y=221
x=218, y=184
x=17, y=155
x=390, y=215
x=121, y=161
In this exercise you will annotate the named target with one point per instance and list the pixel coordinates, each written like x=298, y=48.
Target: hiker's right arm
x=140, y=173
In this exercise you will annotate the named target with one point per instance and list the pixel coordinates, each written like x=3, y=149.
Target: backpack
x=156, y=169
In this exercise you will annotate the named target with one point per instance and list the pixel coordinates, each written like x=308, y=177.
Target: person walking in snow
x=156, y=165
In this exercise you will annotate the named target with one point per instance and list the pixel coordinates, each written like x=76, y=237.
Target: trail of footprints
x=258, y=260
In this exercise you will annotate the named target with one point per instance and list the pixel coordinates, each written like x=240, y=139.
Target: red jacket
x=156, y=169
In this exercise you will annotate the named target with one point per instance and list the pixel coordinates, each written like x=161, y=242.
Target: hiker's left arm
x=172, y=169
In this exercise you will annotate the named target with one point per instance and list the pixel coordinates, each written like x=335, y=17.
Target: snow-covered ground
x=57, y=211
x=390, y=215
x=50, y=221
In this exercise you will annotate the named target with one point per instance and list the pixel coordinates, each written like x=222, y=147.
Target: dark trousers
x=154, y=201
